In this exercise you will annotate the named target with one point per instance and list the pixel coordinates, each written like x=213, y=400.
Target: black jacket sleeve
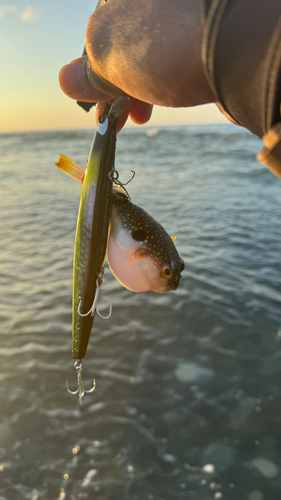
x=241, y=53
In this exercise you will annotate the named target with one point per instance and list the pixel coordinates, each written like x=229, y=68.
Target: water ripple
x=188, y=396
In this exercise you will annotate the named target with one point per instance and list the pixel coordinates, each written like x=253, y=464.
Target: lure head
x=141, y=255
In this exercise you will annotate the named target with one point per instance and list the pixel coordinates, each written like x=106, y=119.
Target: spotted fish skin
x=141, y=254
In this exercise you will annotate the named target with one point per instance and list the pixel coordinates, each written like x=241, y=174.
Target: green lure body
x=93, y=226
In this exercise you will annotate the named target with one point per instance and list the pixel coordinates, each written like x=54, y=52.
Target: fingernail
x=71, y=78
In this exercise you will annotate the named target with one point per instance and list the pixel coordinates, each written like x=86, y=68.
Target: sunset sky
x=36, y=40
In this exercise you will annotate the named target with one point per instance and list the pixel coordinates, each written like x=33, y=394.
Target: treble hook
x=80, y=389
x=114, y=177
x=131, y=178
x=95, y=309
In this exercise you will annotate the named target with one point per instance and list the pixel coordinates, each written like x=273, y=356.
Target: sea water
x=188, y=398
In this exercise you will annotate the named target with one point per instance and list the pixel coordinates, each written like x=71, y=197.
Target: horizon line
x=126, y=127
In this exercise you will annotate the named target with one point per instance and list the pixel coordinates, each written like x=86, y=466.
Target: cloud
x=29, y=14
x=7, y=9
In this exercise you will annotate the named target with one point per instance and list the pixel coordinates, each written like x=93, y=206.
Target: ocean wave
x=187, y=382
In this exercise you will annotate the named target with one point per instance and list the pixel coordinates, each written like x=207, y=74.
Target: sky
x=37, y=38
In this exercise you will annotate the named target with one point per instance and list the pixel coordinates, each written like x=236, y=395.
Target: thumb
x=80, y=82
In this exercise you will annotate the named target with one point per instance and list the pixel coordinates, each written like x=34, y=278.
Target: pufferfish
x=141, y=254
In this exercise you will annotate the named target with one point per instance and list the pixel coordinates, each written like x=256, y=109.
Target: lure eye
x=167, y=272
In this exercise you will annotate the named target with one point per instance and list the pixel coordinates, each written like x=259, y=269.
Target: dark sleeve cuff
x=241, y=54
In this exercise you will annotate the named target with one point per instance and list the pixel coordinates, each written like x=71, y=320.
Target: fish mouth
x=173, y=287
x=173, y=284
x=175, y=281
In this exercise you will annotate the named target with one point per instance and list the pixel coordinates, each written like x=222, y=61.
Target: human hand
x=75, y=83
x=149, y=49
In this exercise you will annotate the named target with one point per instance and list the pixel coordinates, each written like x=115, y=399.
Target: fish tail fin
x=69, y=167
x=173, y=238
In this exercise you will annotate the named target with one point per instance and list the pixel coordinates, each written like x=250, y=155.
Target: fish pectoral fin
x=173, y=238
x=140, y=253
x=69, y=167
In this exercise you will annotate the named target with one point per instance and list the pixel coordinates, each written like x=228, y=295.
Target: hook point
x=80, y=389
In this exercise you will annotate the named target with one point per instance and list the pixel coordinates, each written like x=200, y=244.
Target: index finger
x=140, y=113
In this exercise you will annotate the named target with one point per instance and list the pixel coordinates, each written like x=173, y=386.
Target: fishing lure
x=92, y=230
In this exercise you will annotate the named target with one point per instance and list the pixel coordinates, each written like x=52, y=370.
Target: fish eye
x=167, y=272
